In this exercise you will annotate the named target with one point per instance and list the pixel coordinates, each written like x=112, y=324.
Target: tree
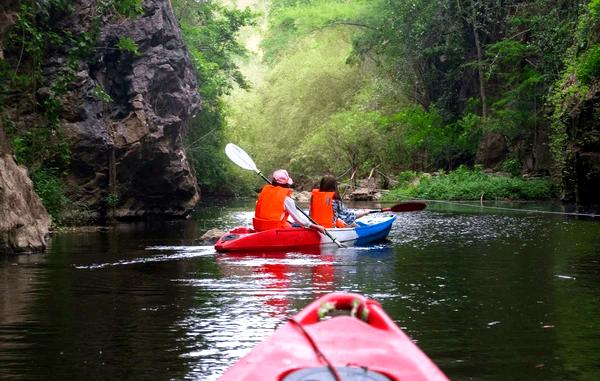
x=210, y=31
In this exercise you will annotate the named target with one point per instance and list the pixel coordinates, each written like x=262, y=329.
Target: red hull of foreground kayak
x=375, y=348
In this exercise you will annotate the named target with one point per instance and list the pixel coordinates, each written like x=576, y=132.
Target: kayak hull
x=347, y=343
x=246, y=239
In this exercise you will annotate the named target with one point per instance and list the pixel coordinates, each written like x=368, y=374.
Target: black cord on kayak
x=316, y=349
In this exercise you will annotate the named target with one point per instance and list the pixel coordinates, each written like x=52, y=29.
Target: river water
x=488, y=295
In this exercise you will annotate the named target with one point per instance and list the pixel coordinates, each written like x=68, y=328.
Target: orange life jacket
x=321, y=209
x=270, y=211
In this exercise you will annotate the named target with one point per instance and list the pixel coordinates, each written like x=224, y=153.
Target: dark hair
x=276, y=184
x=329, y=184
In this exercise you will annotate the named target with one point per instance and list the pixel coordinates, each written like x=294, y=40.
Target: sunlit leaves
x=293, y=20
x=347, y=140
x=210, y=31
x=300, y=93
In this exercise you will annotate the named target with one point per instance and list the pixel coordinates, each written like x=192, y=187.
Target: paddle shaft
x=380, y=210
x=315, y=223
x=263, y=176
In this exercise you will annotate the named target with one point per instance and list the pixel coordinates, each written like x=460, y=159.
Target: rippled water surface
x=487, y=295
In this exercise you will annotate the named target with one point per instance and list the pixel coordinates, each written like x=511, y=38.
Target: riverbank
x=471, y=184
x=461, y=184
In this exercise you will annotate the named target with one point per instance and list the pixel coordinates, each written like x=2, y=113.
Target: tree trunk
x=472, y=21
x=480, y=71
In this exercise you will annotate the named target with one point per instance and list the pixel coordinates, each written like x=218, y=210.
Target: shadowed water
x=494, y=295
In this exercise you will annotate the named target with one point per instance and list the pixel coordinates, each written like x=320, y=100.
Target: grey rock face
x=492, y=150
x=24, y=221
x=127, y=159
x=211, y=236
x=8, y=16
x=581, y=175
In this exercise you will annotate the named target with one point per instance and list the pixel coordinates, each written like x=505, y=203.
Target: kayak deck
x=246, y=239
x=307, y=346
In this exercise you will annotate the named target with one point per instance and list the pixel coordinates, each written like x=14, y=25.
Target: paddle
x=243, y=160
x=409, y=206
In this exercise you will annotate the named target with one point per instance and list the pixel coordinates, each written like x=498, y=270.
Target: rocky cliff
x=127, y=154
x=8, y=15
x=581, y=174
x=122, y=110
x=24, y=221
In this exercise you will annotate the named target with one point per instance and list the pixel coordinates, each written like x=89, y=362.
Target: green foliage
x=426, y=140
x=430, y=50
x=210, y=31
x=48, y=185
x=128, y=8
x=411, y=96
x=420, y=46
x=126, y=44
x=102, y=95
x=512, y=166
x=588, y=68
x=341, y=113
x=21, y=148
x=571, y=90
x=524, y=66
x=347, y=140
x=294, y=115
x=43, y=144
x=467, y=184
x=120, y=8
x=112, y=200
x=406, y=177
x=361, y=84
x=291, y=21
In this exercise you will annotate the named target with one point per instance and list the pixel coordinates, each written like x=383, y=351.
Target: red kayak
x=363, y=344
x=242, y=239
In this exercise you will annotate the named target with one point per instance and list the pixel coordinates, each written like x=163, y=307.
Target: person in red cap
x=275, y=205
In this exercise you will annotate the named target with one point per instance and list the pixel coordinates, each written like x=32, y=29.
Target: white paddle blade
x=240, y=157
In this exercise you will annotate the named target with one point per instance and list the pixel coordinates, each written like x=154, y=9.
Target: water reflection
x=501, y=296
x=275, y=272
x=254, y=293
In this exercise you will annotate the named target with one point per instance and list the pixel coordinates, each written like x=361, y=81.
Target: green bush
x=49, y=187
x=512, y=166
x=589, y=65
x=405, y=177
x=473, y=184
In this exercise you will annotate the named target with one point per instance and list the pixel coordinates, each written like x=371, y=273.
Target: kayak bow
x=366, y=345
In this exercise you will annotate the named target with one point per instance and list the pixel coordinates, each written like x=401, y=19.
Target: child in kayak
x=275, y=204
x=327, y=208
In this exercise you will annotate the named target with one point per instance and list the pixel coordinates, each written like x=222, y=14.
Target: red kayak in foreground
x=364, y=344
